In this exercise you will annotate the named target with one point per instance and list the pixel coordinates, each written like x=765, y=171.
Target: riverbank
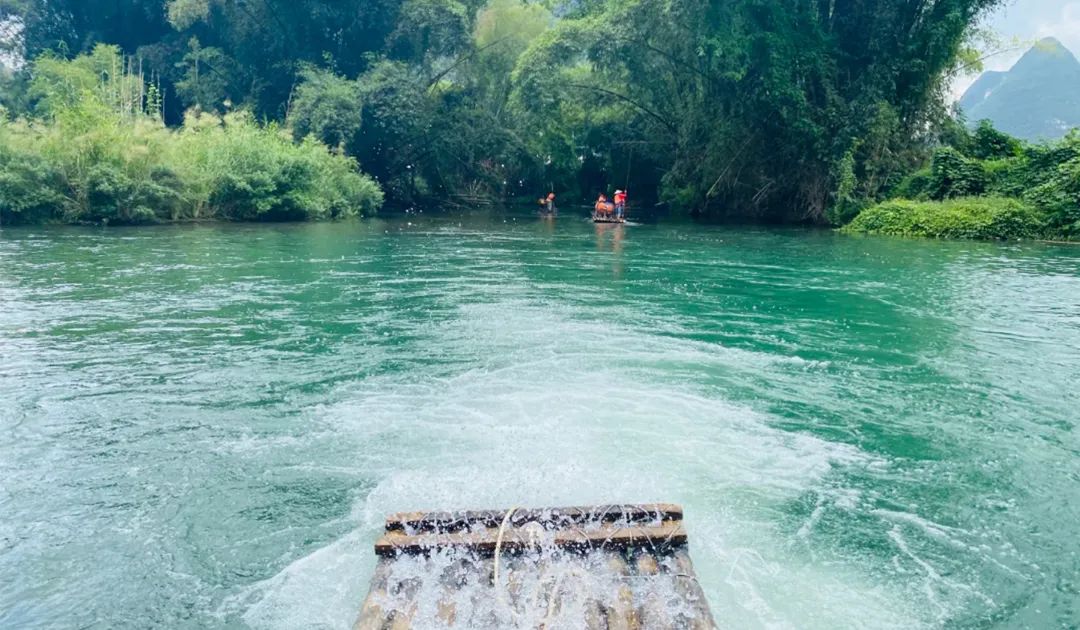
x=96, y=151
x=102, y=169
x=985, y=218
x=985, y=185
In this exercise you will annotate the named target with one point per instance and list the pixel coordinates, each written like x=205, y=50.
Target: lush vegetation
x=745, y=109
x=95, y=150
x=986, y=184
x=966, y=217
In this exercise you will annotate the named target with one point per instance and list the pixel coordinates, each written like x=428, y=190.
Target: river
x=204, y=426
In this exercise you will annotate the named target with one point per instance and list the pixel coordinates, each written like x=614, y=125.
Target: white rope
x=498, y=552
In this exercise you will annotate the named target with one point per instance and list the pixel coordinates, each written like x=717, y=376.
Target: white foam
x=547, y=407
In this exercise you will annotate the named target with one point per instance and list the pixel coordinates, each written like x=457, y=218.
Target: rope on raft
x=498, y=552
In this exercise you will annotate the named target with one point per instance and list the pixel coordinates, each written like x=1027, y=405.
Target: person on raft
x=603, y=207
x=547, y=205
x=620, y=203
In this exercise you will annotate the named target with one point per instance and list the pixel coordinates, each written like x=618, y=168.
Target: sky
x=1028, y=21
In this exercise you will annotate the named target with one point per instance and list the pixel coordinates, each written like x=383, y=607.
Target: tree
x=753, y=109
x=328, y=107
x=753, y=104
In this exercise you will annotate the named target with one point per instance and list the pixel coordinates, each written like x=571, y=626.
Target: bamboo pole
x=621, y=614
x=372, y=616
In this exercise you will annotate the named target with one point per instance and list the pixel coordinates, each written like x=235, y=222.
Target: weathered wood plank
x=372, y=616
x=453, y=577
x=651, y=607
x=621, y=614
x=667, y=535
x=446, y=522
x=688, y=587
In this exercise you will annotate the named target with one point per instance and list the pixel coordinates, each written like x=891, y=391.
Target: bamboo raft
x=610, y=567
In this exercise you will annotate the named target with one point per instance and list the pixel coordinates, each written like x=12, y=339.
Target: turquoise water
x=204, y=426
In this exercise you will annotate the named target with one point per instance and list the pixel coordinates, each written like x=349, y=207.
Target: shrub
x=29, y=185
x=846, y=203
x=246, y=172
x=988, y=143
x=953, y=175
x=96, y=158
x=970, y=218
x=1059, y=198
x=914, y=186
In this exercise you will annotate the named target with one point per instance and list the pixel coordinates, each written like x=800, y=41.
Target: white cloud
x=1065, y=26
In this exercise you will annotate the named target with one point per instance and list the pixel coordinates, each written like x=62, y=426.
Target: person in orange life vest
x=602, y=205
x=620, y=203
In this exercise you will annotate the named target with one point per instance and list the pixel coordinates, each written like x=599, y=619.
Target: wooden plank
x=455, y=521
x=652, y=609
x=687, y=586
x=667, y=535
x=594, y=616
x=372, y=616
x=453, y=577
x=404, y=591
x=621, y=614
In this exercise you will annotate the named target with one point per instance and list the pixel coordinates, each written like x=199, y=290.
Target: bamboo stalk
x=621, y=614
x=687, y=586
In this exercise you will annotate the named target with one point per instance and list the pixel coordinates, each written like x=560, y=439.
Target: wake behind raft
x=615, y=566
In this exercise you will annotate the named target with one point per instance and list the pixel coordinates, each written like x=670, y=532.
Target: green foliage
x=1043, y=178
x=967, y=218
x=328, y=107
x=394, y=135
x=954, y=175
x=97, y=158
x=751, y=106
x=846, y=205
x=769, y=109
x=915, y=185
x=430, y=29
x=211, y=78
x=989, y=143
x=184, y=14
x=29, y=185
x=104, y=75
x=1059, y=197
x=250, y=173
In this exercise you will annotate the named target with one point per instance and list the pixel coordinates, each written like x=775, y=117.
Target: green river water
x=203, y=426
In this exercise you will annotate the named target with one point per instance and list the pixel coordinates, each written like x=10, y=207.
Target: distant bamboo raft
x=604, y=567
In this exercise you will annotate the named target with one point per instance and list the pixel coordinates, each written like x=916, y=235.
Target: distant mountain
x=1037, y=99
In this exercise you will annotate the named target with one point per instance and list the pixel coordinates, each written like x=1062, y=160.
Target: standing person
x=620, y=203
x=550, y=206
